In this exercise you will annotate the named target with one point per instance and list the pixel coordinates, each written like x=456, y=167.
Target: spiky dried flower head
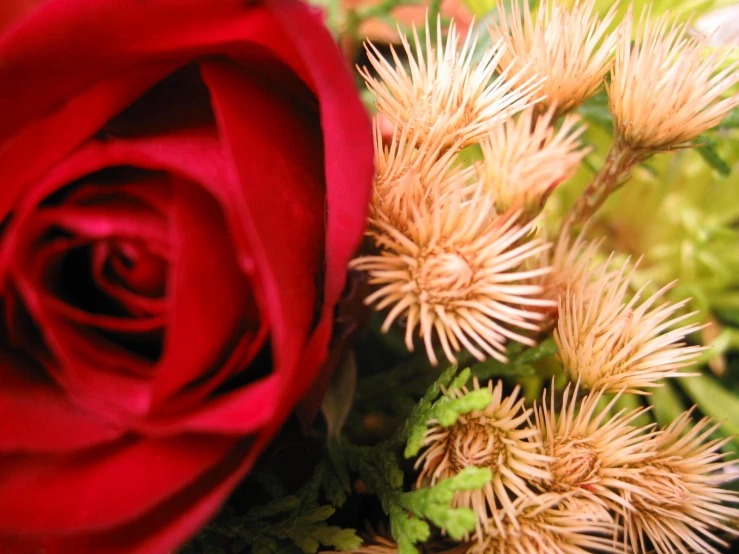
x=665, y=89
x=455, y=274
x=608, y=343
x=526, y=158
x=592, y=449
x=407, y=173
x=543, y=524
x=572, y=47
x=679, y=505
x=498, y=438
x=443, y=82
x=571, y=262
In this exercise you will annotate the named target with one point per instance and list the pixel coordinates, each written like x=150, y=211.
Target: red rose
x=182, y=183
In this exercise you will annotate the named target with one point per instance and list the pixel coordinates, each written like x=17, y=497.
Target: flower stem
x=616, y=169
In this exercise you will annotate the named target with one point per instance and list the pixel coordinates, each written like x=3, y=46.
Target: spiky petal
x=443, y=82
x=665, y=89
x=526, y=158
x=456, y=274
x=571, y=47
x=542, y=524
x=608, y=343
x=679, y=505
x=593, y=450
x=498, y=438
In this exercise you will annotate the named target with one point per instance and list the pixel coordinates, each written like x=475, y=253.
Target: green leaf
x=714, y=400
x=712, y=158
x=666, y=404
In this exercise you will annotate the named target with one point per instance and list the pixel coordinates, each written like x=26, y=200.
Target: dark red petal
x=41, y=144
x=275, y=148
x=35, y=415
x=348, y=151
x=162, y=529
x=101, y=487
x=67, y=46
x=208, y=291
x=240, y=412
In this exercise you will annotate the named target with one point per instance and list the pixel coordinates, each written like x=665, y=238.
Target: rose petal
x=348, y=153
x=209, y=293
x=163, y=528
x=280, y=200
x=35, y=415
x=94, y=40
x=111, y=484
x=39, y=145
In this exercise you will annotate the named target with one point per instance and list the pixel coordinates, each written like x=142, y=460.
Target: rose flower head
x=592, y=448
x=524, y=159
x=571, y=47
x=665, y=88
x=606, y=342
x=542, y=524
x=183, y=186
x=443, y=81
x=455, y=274
x=678, y=503
x=498, y=438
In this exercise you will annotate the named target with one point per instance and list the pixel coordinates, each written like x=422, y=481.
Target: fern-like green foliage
x=410, y=512
x=288, y=524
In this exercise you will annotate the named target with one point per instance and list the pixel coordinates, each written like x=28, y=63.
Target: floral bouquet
x=374, y=277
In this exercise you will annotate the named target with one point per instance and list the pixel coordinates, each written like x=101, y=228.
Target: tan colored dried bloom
x=442, y=82
x=543, y=525
x=678, y=503
x=571, y=262
x=665, y=89
x=526, y=158
x=593, y=450
x=405, y=175
x=607, y=343
x=456, y=274
x=498, y=438
x=571, y=47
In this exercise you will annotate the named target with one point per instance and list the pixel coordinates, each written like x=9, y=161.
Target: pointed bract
x=571, y=47
x=666, y=88
x=441, y=80
x=607, y=343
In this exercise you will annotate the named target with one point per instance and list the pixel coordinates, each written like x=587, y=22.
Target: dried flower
x=571, y=47
x=676, y=494
x=497, y=438
x=665, y=90
x=405, y=175
x=443, y=82
x=541, y=524
x=526, y=158
x=606, y=343
x=455, y=273
x=592, y=450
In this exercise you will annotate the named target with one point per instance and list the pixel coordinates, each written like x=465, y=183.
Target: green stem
x=616, y=169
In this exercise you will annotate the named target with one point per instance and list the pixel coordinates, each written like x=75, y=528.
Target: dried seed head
x=498, y=438
x=678, y=503
x=571, y=47
x=456, y=273
x=406, y=175
x=609, y=344
x=543, y=524
x=443, y=82
x=526, y=158
x=665, y=89
x=571, y=263
x=593, y=451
